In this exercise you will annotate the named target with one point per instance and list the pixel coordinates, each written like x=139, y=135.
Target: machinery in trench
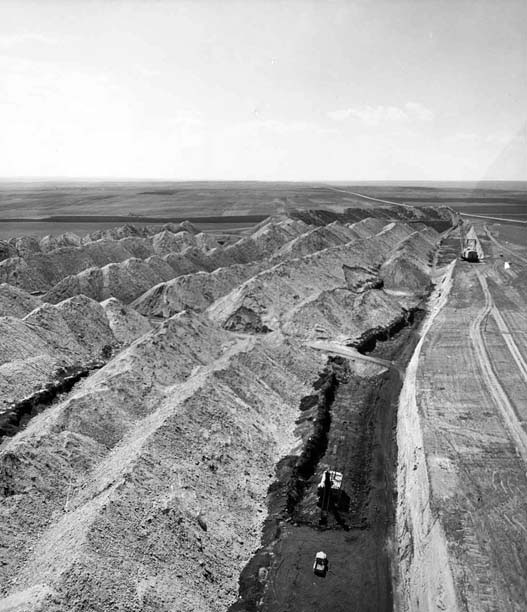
x=329, y=490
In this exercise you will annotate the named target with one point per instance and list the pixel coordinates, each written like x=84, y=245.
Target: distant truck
x=471, y=247
x=470, y=254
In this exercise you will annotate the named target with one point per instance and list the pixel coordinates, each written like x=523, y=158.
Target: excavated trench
x=17, y=416
x=348, y=424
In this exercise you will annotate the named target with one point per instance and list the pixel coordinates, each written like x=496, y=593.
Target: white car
x=320, y=567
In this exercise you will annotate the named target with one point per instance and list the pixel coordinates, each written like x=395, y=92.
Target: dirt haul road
x=462, y=438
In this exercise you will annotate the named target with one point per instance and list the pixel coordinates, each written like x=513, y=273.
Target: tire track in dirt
x=496, y=391
x=504, y=248
x=509, y=341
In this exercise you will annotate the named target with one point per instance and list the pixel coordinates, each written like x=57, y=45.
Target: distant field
x=502, y=199
x=37, y=200
x=51, y=208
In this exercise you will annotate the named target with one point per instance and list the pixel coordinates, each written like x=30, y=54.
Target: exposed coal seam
x=17, y=415
x=316, y=444
x=368, y=341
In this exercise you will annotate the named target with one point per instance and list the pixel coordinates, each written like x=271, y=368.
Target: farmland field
x=54, y=207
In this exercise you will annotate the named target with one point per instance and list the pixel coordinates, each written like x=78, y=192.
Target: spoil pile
x=193, y=291
x=142, y=464
x=77, y=333
x=143, y=487
x=290, y=290
x=36, y=266
x=174, y=254
x=15, y=302
x=407, y=269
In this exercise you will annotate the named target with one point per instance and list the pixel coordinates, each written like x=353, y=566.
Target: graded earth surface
x=170, y=401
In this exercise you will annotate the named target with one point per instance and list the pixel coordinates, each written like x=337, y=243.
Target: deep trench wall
x=423, y=576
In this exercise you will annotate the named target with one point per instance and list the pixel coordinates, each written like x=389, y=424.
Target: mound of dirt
x=206, y=242
x=267, y=239
x=15, y=302
x=272, y=293
x=115, y=233
x=74, y=333
x=359, y=279
x=7, y=250
x=166, y=242
x=180, y=264
x=314, y=240
x=126, y=324
x=440, y=218
x=50, y=243
x=367, y=227
x=41, y=271
x=408, y=269
x=124, y=281
x=143, y=486
x=344, y=316
x=25, y=246
x=68, y=271
x=153, y=479
x=141, y=248
x=401, y=273
x=193, y=291
x=39, y=267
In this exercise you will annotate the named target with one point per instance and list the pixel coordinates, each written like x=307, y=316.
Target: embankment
x=421, y=566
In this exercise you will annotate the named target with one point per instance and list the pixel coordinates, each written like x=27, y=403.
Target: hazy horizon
x=134, y=180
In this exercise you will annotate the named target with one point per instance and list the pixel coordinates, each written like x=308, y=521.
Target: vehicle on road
x=320, y=566
x=471, y=246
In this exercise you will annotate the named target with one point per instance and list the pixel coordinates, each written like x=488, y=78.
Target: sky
x=264, y=90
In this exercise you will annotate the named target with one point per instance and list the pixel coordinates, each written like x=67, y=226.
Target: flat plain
x=55, y=207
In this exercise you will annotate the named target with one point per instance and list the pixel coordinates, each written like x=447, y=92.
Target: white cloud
x=377, y=115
